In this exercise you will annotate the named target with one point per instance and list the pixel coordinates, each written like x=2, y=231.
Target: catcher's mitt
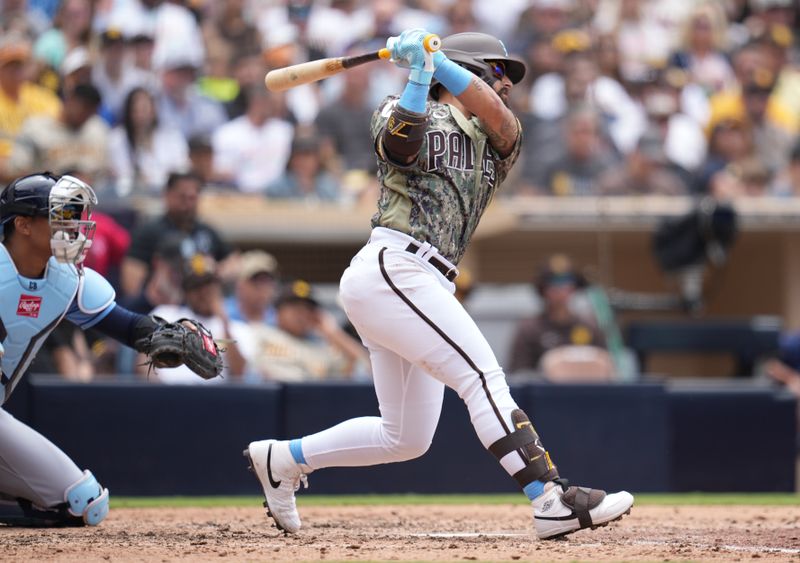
x=173, y=344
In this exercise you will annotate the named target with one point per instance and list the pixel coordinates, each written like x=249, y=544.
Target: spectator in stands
x=702, y=54
x=772, y=122
x=253, y=297
x=283, y=47
x=141, y=44
x=143, y=152
x=645, y=172
x=164, y=284
x=76, y=140
x=342, y=121
x=181, y=200
x=115, y=76
x=307, y=343
x=543, y=19
x=71, y=28
x=774, y=12
x=201, y=160
x=227, y=24
x=584, y=157
x=642, y=40
x=20, y=19
x=748, y=177
x=556, y=325
x=202, y=289
x=76, y=68
x=65, y=352
x=248, y=71
x=305, y=177
x=180, y=105
x=20, y=99
x=787, y=181
x=730, y=140
x=554, y=95
x=109, y=245
x=685, y=143
x=251, y=151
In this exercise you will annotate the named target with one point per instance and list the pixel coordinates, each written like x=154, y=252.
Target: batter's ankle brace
x=539, y=466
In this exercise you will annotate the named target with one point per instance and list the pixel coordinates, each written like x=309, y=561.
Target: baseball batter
x=47, y=230
x=444, y=146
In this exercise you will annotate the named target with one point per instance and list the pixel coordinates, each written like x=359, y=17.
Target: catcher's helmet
x=28, y=196
x=474, y=50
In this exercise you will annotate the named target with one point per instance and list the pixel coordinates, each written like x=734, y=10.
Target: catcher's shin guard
x=85, y=503
x=525, y=440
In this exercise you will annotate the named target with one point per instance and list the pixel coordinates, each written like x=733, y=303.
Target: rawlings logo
x=29, y=306
x=208, y=344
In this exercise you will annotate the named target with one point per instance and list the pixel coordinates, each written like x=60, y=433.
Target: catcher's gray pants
x=31, y=466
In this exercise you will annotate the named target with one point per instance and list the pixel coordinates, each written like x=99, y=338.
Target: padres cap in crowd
x=558, y=270
x=199, y=270
x=298, y=291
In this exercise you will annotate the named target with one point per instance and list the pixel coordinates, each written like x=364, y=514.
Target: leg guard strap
x=582, y=500
x=525, y=439
x=86, y=499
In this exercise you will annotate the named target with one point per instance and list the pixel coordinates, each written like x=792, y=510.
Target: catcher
x=47, y=231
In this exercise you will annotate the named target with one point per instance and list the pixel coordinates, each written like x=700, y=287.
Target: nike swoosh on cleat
x=273, y=483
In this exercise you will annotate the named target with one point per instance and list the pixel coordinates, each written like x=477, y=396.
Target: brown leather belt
x=447, y=271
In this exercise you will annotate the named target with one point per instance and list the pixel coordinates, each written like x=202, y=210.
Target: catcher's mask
x=483, y=55
x=70, y=213
x=66, y=201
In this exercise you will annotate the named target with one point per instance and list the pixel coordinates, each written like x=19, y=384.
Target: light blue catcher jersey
x=31, y=308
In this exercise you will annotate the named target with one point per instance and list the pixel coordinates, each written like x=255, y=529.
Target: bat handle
x=431, y=42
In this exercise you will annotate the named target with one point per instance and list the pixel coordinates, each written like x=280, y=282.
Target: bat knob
x=432, y=43
x=385, y=54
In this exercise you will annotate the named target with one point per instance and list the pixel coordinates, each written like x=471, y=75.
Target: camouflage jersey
x=440, y=197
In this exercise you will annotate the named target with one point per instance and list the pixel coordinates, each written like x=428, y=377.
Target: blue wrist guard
x=453, y=77
x=414, y=97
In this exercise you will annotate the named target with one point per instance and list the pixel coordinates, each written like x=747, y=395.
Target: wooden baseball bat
x=282, y=79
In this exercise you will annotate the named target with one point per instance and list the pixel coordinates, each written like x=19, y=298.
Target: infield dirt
x=415, y=533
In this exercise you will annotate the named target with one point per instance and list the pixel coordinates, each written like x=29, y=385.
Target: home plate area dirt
x=415, y=533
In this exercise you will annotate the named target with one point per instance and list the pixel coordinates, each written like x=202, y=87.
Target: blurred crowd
x=622, y=97
x=160, y=99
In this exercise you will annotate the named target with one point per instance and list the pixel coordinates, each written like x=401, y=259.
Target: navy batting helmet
x=28, y=196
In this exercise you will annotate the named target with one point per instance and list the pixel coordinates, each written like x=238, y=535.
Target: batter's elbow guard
x=525, y=441
x=403, y=135
x=86, y=499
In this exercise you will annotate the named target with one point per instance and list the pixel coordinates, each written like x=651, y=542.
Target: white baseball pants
x=420, y=339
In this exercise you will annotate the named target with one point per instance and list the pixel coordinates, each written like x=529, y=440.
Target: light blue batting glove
x=408, y=51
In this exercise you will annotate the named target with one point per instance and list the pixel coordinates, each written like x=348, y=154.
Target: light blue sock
x=296, y=447
x=533, y=490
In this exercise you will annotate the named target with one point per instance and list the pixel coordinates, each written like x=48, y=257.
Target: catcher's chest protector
x=29, y=310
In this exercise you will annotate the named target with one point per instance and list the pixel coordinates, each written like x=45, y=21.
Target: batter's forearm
x=498, y=121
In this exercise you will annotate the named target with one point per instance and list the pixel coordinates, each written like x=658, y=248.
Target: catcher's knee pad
x=525, y=440
x=87, y=499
